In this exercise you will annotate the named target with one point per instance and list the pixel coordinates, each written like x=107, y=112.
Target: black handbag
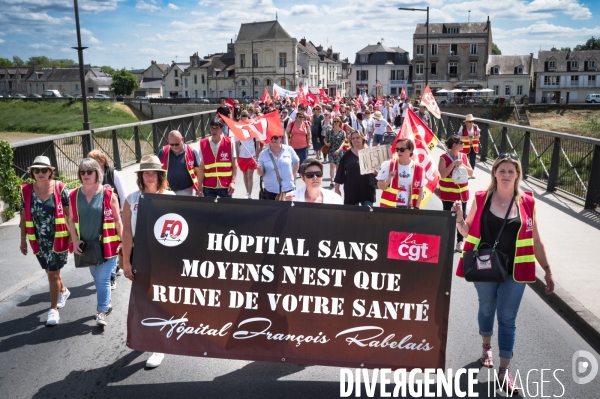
x=262, y=193
x=486, y=263
x=92, y=254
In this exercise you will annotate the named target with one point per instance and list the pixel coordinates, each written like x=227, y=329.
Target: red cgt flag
x=230, y=104
x=301, y=99
x=276, y=95
x=262, y=128
x=324, y=96
x=429, y=101
x=312, y=99
x=266, y=98
x=425, y=141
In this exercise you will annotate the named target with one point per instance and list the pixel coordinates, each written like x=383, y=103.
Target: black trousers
x=472, y=159
x=447, y=207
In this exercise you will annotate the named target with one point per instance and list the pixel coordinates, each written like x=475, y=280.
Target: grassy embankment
x=59, y=116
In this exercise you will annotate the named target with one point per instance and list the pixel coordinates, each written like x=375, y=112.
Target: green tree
x=6, y=62
x=496, y=50
x=124, y=83
x=107, y=69
x=17, y=61
x=560, y=49
x=591, y=44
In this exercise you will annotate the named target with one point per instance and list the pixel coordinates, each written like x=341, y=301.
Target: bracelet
x=461, y=222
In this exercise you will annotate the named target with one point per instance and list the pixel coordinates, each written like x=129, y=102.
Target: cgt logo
x=171, y=230
x=413, y=247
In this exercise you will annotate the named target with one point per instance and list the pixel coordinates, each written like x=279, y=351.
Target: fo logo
x=171, y=230
x=413, y=247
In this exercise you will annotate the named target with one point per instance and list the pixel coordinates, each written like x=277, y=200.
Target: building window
x=186, y=93
x=495, y=70
x=282, y=60
x=420, y=49
x=196, y=80
x=452, y=30
x=76, y=87
x=507, y=90
x=400, y=74
x=255, y=60
x=419, y=69
x=242, y=60
x=362, y=75
x=551, y=65
x=269, y=82
x=434, y=49
x=256, y=82
x=574, y=80
x=453, y=68
x=364, y=58
x=454, y=49
x=433, y=68
x=176, y=73
x=203, y=93
x=519, y=70
x=519, y=90
x=176, y=82
x=186, y=82
x=202, y=78
x=243, y=82
x=592, y=80
x=551, y=80
x=591, y=64
x=393, y=91
x=282, y=82
x=473, y=69
x=574, y=65
x=196, y=93
x=473, y=49
x=496, y=88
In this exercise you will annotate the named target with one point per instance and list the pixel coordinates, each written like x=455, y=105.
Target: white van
x=592, y=98
x=52, y=93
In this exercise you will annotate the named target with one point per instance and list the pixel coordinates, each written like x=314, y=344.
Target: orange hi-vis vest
x=61, y=234
x=468, y=140
x=110, y=238
x=189, y=163
x=524, y=266
x=217, y=166
x=450, y=191
x=389, y=196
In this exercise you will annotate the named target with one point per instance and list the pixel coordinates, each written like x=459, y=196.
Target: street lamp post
x=426, y=40
x=86, y=119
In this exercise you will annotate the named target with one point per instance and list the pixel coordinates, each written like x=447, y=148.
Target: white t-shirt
x=132, y=200
x=404, y=174
x=379, y=127
x=405, y=106
x=247, y=148
x=329, y=197
x=470, y=132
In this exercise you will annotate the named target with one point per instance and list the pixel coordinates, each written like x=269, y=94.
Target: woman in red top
x=300, y=133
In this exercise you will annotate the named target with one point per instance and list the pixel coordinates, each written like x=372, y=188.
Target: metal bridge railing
x=561, y=161
x=124, y=144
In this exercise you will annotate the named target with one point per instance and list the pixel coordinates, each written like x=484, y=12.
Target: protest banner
x=370, y=159
x=291, y=282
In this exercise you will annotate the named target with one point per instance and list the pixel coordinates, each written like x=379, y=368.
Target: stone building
x=510, y=75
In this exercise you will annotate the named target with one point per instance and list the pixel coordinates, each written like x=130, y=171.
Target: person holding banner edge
x=449, y=190
x=522, y=244
x=150, y=179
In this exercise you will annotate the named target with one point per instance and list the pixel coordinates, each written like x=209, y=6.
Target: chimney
x=230, y=47
x=303, y=41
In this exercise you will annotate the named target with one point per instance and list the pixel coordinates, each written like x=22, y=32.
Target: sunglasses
x=86, y=172
x=511, y=156
x=275, y=138
x=174, y=144
x=401, y=149
x=300, y=117
x=310, y=175
x=37, y=171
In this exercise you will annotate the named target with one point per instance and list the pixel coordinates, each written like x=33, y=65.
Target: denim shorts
x=377, y=138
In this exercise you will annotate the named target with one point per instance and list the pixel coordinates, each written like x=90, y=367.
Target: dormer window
x=519, y=70
x=574, y=64
x=551, y=64
x=364, y=58
x=495, y=70
x=591, y=64
x=452, y=30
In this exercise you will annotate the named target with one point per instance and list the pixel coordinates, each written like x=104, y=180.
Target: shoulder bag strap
x=504, y=222
x=275, y=167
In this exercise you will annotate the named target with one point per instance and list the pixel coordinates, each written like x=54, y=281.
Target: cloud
x=91, y=6
x=304, y=9
x=148, y=51
x=40, y=46
x=173, y=6
x=142, y=5
x=1, y=41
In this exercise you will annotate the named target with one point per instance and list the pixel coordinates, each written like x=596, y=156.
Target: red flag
x=402, y=94
x=425, y=141
x=429, y=101
x=378, y=103
x=359, y=99
x=266, y=98
x=301, y=99
x=324, y=96
x=312, y=99
x=275, y=95
x=262, y=128
x=230, y=104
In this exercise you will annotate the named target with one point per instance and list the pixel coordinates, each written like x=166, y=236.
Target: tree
x=590, y=44
x=561, y=49
x=124, y=83
x=496, y=50
x=108, y=70
x=17, y=61
x=6, y=62
x=41, y=61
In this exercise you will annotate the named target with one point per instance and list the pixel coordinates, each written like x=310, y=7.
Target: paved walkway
x=570, y=233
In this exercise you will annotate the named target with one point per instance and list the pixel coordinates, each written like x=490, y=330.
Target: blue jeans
x=216, y=192
x=302, y=154
x=365, y=203
x=377, y=138
x=101, y=275
x=502, y=299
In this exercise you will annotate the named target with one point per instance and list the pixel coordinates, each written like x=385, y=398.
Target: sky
x=130, y=33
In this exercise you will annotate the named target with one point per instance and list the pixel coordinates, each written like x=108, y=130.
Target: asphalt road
x=76, y=359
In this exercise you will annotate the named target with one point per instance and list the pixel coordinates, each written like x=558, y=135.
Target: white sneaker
x=119, y=271
x=154, y=360
x=248, y=196
x=101, y=320
x=53, y=317
x=62, y=298
x=459, y=247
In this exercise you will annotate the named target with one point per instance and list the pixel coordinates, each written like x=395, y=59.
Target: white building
x=510, y=75
x=172, y=82
x=320, y=68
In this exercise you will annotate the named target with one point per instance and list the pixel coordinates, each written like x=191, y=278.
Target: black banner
x=302, y=283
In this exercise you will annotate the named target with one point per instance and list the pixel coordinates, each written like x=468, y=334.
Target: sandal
x=486, y=359
x=506, y=382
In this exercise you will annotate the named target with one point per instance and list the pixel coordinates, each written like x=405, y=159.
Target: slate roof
x=562, y=58
x=508, y=63
x=382, y=55
x=464, y=28
x=262, y=30
x=380, y=48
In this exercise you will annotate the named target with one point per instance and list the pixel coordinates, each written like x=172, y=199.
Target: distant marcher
x=424, y=115
x=151, y=179
x=225, y=111
x=469, y=133
x=316, y=129
x=335, y=140
x=312, y=175
x=300, y=136
x=44, y=208
x=380, y=127
x=218, y=169
x=182, y=164
x=247, y=149
x=358, y=189
x=520, y=242
x=95, y=216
